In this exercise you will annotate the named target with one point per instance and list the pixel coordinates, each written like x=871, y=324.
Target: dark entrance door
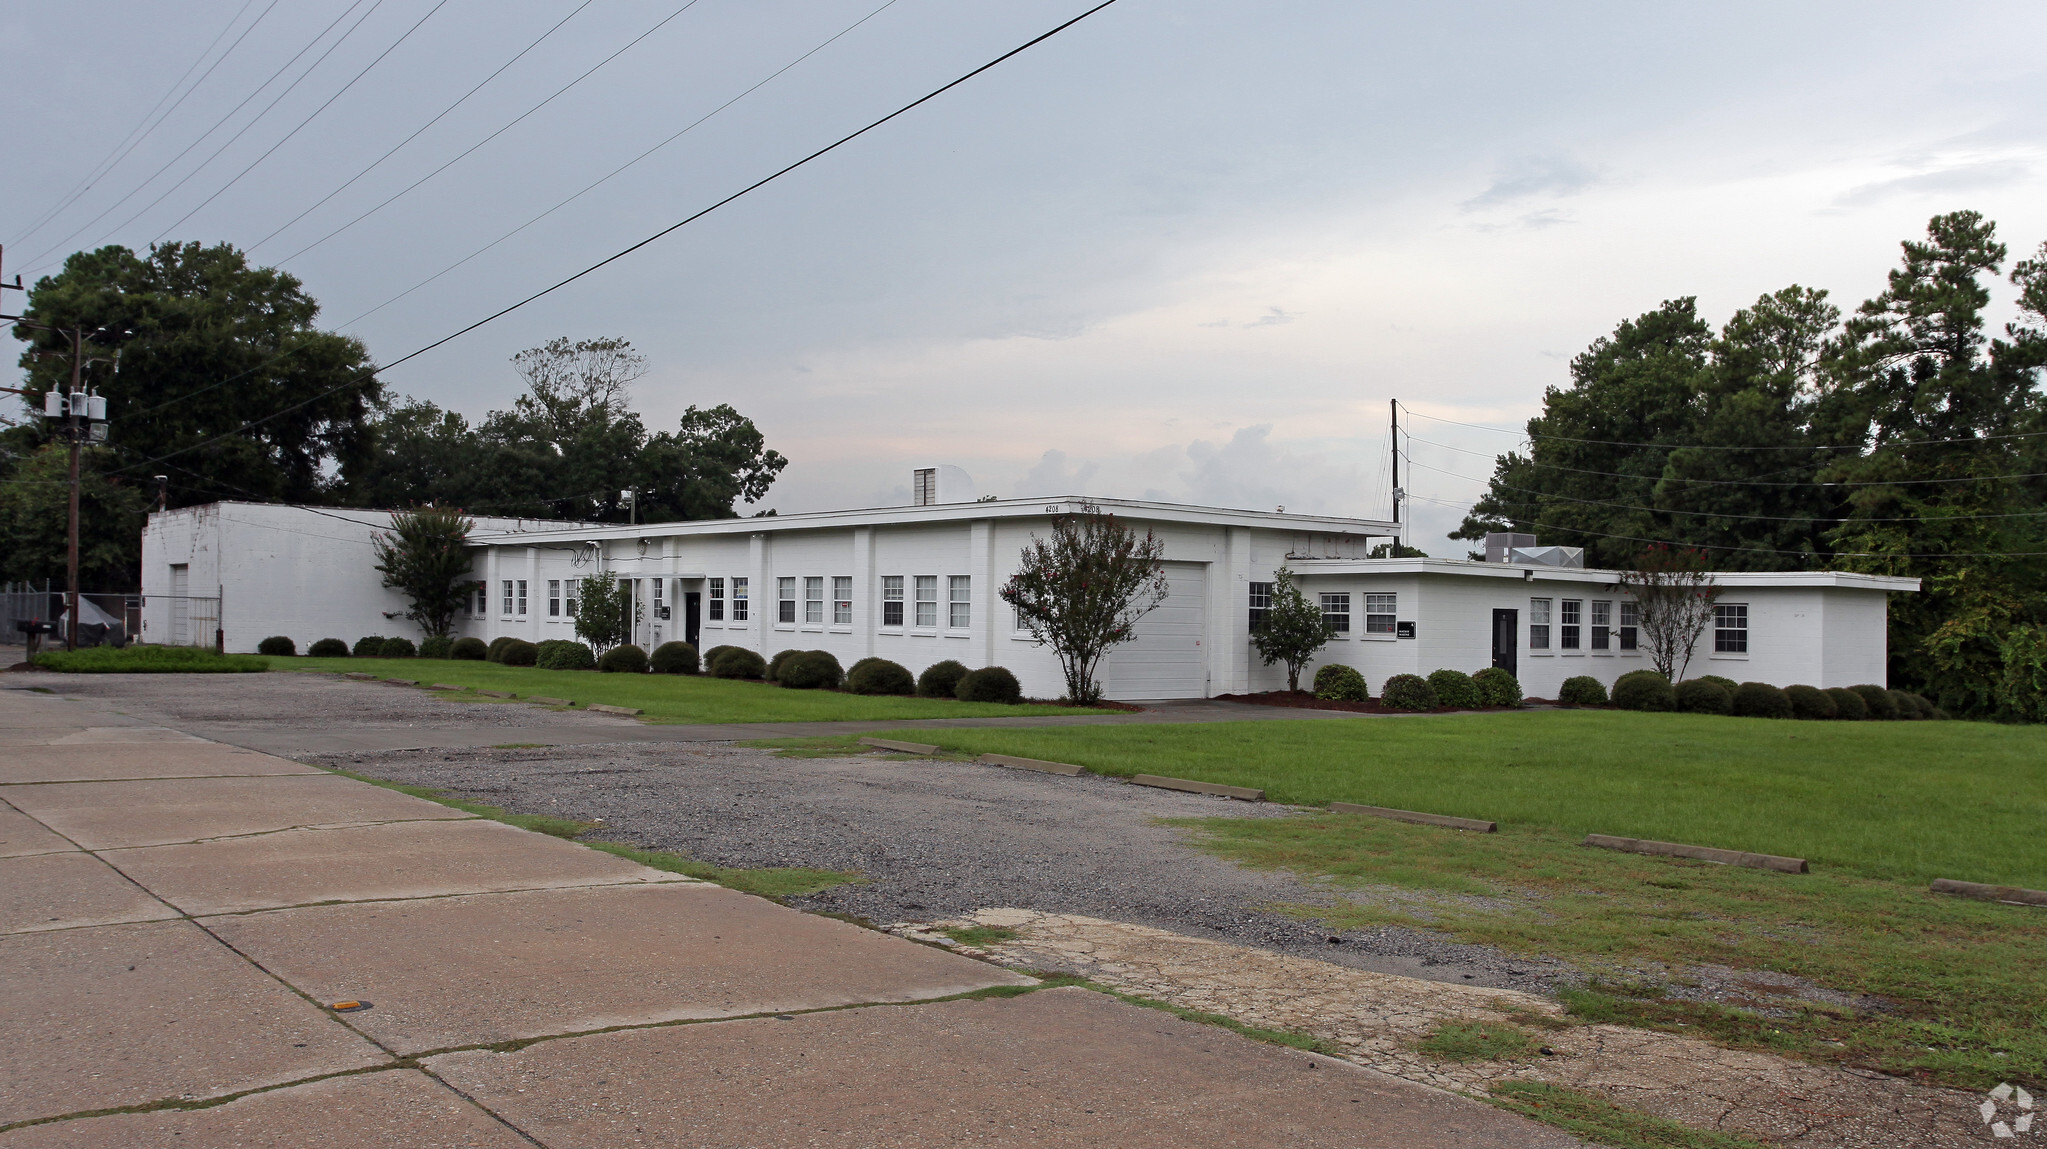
x=692, y=616
x=1506, y=640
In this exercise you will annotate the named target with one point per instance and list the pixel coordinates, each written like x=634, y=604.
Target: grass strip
x=1458, y=1040
x=149, y=660
x=674, y=698
x=767, y=881
x=1604, y=1123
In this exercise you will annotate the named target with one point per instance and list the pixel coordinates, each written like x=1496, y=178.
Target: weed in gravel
x=1477, y=1041
x=1604, y=1123
x=980, y=935
x=769, y=881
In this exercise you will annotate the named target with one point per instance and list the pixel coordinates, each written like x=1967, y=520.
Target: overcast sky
x=1184, y=250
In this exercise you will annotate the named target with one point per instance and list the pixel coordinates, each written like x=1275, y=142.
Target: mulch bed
x=1302, y=700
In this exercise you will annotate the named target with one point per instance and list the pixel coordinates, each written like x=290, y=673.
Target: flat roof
x=936, y=513
x=1471, y=568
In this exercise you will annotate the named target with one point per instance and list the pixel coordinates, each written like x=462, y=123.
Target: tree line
x=226, y=385
x=1905, y=439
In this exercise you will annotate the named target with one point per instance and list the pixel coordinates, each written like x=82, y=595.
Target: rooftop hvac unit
x=1572, y=558
x=1500, y=545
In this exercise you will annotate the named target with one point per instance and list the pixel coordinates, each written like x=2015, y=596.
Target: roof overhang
x=1525, y=572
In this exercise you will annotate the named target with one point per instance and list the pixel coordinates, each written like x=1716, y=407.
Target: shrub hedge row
x=1712, y=694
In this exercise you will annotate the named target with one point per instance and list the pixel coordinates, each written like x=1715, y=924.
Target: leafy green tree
x=606, y=613
x=1293, y=629
x=1082, y=591
x=1674, y=595
x=425, y=556
x=221, y=369
x=35, y=517
x=715, y=458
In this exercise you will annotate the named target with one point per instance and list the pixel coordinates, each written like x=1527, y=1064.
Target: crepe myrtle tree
x=1082, y=591
x=606, y=613
x=425, y=556
x=1674, y=596
x=1293, y=629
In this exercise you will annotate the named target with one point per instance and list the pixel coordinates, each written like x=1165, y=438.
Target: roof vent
x=930, y=486
x=1571, y=558
x=1500, y=545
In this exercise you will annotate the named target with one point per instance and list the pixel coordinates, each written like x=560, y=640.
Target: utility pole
x=1393, y=441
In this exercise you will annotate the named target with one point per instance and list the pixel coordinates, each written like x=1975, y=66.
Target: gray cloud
x=1530, y=177
x=1961, y=178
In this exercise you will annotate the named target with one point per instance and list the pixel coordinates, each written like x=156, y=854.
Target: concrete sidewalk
x=180, y=919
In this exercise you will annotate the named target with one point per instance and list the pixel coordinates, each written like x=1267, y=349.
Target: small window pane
x=1261, y=603
x=1629, y=615
x=927, y=600
x=717, y=603
x=554, y=598
x=785, y=599
x=739, y=600
x=1538, y=624
x=1602, y=625
x=1730, y=628
x=1336, y=612
x=575, y=595
x=1380, y=610
x=508, y=598
x=842, y=600
x=961, y=599
x=891, y=600
x=1568, y=620
x=813, y=599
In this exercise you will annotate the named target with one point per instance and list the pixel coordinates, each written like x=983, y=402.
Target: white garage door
x=1168, y=660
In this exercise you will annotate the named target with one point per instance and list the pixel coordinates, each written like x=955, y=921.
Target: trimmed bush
x=1724, y=683
x=775, y=663
x=1810, y=703
x=1643, y=690
x=712, y=654
x=1408, y=692
x=811, y=670
x=1701, y=696
x=1454, y=689
x=469, y=650
x=1496, y=687
x=564, y=654
x=328, y=648
x=1878, y=701
x=737, y=662
x=1761, y=700
x=940, y=679
x=673, y=658
x=435, y=646
x=880, y=676
x=1582, y=690
x=397, y=648
x=1926, y=707
x=278, y=646
x=988, y=684
x=369, y=646
x=1848, y=705
x=1907, y=706
x=496, y=652
x=627, y=659
x=519, y=652
x=1336, y=682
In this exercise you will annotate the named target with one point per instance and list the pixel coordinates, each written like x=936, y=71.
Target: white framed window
x=1569, y=623
x=842, y=600
x=714, y=607
x=1730, y=628
x=554, y=598
x=521, y=612
x=1336, y=611
x=659, y=584
x=785, y=599
x=1602, y=624
x=574, y=598
x=960, y=596
x=1630, y=617
x=508, y=598
x=738, y=600
x=891, y=600
x=813, y=599
x=1379, y=612
x=1261, y=604
x=1538, y=624
x=927, y=600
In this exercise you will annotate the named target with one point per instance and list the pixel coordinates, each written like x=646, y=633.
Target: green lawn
x=671, y=697
x=1960, y=997
x=1903, y=800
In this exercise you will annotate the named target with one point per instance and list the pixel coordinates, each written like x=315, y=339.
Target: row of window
x=1380, y=609
x=1730, y=625
x=563, y=596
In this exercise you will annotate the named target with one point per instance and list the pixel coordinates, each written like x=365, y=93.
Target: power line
x=621, y=168
x=144, y=128
x=343, y=90
x=423, y=127
x=1716, y=446
x=201, y=138
x=407, y=189
x=558, y=285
